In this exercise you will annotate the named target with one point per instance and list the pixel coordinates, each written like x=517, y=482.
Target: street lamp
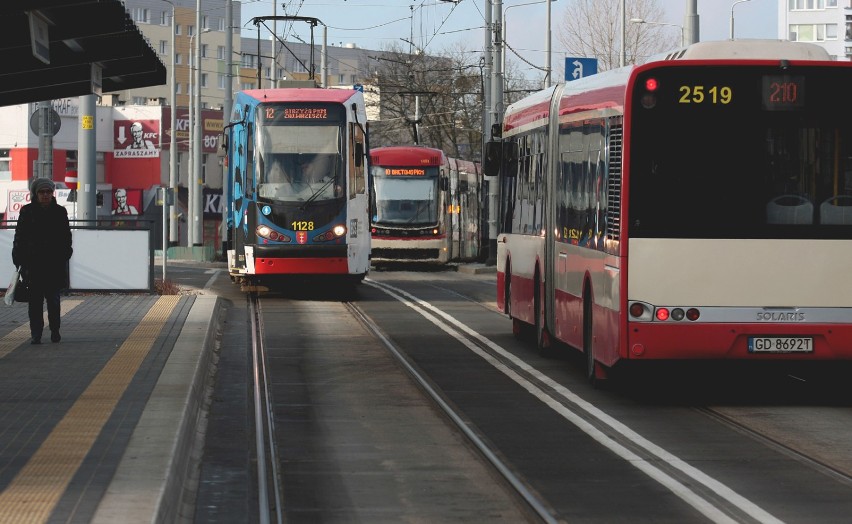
x=732, y=15
x=173, y=175
x=191, y=184
x=547, y=38
x=643, y=21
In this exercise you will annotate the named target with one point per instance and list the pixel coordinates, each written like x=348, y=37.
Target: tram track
x=268, y=475
x=533, y=501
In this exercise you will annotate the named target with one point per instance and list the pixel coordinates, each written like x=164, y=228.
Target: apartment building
x=824, y=22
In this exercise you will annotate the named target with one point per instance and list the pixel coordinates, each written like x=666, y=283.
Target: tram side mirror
x=445, y=183
x=223, y=150
x=359, y=154
x=500, y=157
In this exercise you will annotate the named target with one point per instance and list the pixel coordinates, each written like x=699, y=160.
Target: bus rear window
x=741, y=152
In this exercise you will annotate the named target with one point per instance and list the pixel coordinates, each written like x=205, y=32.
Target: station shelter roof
x=72, y=35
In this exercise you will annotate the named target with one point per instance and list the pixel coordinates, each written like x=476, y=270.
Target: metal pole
x=163, y=191
x=87, y=192
x=622, y=57
x=226, y=105
x=690, y=23
x=190, y=172
x=324, y=56
x=173, y=174
x=197, y=182
x=732, y=15
x=45, y=145
x=548, y=76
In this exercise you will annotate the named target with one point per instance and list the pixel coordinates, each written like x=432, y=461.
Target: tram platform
x=99, y=427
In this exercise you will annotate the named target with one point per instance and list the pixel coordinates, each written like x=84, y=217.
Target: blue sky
x=436, y=25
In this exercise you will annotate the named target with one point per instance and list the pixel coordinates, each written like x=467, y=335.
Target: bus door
x=547, y=188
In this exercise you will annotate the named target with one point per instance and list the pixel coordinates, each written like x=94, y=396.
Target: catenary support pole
x=87, y=194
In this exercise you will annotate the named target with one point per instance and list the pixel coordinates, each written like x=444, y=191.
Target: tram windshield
x=300, y=163
x=403, y=200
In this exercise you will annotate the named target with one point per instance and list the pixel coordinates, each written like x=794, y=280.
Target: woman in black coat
x=42, y=247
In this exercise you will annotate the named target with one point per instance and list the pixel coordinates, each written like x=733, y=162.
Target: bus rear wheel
x=594, y=371
x=543, y=343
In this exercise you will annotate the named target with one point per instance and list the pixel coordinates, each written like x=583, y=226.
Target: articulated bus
x=697, y=206
x=298, y=196
x=426, y=206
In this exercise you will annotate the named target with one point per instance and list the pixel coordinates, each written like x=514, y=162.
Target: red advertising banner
x=211, y=128
x=136, y=138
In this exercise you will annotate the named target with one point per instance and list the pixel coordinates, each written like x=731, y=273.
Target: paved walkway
x=89, y=426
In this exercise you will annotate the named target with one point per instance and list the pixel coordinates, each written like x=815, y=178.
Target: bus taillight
x=662, y=314
x=651, y=84
x=692, y=313
x=637, y=310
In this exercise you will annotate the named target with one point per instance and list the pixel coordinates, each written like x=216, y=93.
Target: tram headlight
x=332, y=234
x=267, y=233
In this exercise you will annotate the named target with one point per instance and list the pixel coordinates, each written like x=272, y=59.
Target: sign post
x=577, y=68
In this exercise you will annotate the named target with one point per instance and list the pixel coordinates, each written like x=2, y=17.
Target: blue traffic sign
x=358, y=87
x=577, y=68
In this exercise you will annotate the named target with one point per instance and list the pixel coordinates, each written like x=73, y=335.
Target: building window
x=204, y=50
x=221, y=24
x=138, y=101
x=246, y=85
x=190, y=30
x=178, y=29
x=141, y=15
x=178, y=88
x=220, y=52
x=809, y=5
x=813, y=32
x=178, y=59
x=5, y=165
x=203, y=79
x=204, y=22
x=164, y=18
x=831, y=31
x=164, y=45
x=223, y=81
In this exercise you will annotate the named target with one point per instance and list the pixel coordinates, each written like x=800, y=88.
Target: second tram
x=426, y=206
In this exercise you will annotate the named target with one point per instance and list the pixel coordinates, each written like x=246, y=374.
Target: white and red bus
x=426, y=206
x=698, y=206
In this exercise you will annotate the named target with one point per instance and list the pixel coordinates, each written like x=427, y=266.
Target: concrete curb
x=148, y=485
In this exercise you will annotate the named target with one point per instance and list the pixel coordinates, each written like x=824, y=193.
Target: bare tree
x=447, y=87
x=592, y=28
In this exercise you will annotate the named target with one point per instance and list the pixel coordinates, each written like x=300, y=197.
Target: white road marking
x=705, y=507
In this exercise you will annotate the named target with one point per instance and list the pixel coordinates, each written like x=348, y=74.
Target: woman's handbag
x=22, y=288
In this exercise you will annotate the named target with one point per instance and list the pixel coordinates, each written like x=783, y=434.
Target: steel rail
x=263, y=421
x=532, y=501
